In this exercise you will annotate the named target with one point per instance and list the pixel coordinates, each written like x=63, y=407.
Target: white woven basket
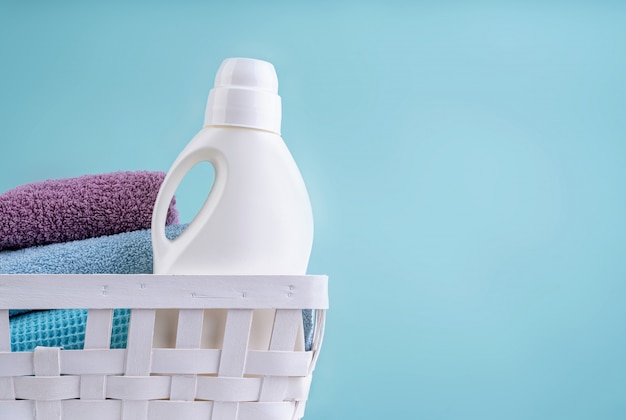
x=142, y=382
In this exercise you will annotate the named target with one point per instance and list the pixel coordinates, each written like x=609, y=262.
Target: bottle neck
x=241, y=107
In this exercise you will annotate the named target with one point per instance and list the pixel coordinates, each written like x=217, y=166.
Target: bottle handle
x=160, y=243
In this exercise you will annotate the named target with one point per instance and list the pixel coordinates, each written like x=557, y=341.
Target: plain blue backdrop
x=466, y=162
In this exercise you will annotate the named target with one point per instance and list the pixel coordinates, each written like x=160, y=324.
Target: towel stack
x=86, y=225
x=93, y=224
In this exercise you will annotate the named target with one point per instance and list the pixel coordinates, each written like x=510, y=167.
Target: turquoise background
x=466, y=162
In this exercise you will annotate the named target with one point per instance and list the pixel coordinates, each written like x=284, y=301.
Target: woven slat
x=98, y=329
x=286, y=328
x=92, y=410
x=22, y=409
x=157, y=410
x=183, y=387
x=16, y=364
x=228, y=389
x=188, y=336
x=138, y=361
x=164, y=362
x=234, y=382
x=93, y=387
x=7, y=388
x=97, y=336
x=5, y=331
x=168, y=410
x=233, y=357
x=189, y=331
x=48, y=410
x=139, y=347
x=47, y=388
x=110, y=409
x=134, y=410
x=138, y=387
x=92, y=362
x=235, y=349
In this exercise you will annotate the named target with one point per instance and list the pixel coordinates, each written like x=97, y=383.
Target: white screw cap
x=245, y=94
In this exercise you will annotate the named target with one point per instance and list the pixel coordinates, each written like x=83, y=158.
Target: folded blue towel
x=63, y=328
x=124, y=253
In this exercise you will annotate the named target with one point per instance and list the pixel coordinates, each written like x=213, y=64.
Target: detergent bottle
x=257, y=218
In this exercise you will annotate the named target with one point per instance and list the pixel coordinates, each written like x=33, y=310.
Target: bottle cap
x=245, y=94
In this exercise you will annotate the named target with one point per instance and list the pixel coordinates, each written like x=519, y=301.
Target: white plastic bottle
x=257, y=218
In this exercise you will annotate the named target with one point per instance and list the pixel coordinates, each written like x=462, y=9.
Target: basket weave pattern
x=142, y=382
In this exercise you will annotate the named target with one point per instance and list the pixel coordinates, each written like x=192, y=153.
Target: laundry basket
x=143, y=382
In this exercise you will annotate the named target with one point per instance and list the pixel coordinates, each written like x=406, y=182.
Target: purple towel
x=73, y=209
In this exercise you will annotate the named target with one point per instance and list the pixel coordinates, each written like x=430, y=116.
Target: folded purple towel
x=73, y=209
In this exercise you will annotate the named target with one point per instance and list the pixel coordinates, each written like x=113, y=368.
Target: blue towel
x=63, y=328
x=124, y=253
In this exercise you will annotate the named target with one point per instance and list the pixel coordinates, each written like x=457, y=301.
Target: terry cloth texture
x=124, y=253
x=72, y=209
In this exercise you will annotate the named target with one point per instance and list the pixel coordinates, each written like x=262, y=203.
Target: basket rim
x=162, y=291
